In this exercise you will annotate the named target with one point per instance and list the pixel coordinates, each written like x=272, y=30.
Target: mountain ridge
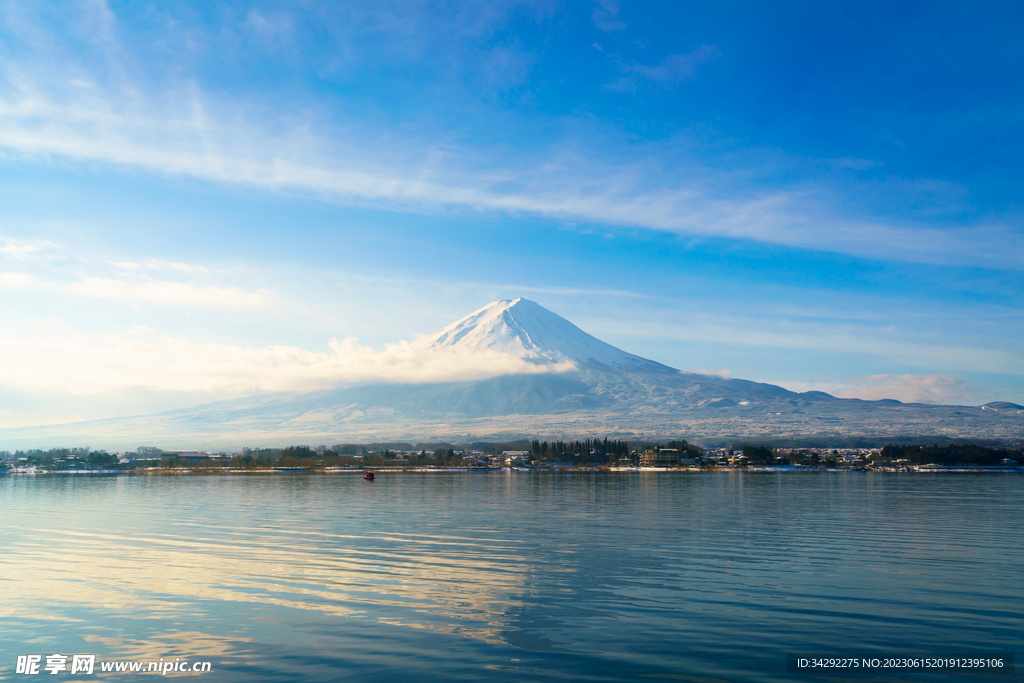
x=607, y=392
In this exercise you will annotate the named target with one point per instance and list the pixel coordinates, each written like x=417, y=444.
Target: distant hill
x=1002, y=405
x=592, y=388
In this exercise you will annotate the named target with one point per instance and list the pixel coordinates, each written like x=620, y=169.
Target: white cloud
x=724, y=373
x=69, y=361
x=55, y=106
x=40, y=253
x=172, y=293
x=941, y=388
x=183, y=267
x=17, y=280
x=154, y=264
x=18, y=251
x=21, y=251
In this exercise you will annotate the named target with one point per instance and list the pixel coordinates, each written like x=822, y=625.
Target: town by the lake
x=536, y=456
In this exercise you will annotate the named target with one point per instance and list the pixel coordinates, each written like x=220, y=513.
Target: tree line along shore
x=587, y=453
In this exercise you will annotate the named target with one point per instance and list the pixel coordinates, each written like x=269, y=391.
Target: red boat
x=369, y=476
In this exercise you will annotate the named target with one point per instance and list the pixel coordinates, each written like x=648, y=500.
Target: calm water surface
x=509, y=576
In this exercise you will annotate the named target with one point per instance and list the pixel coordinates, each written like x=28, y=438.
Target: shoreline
x=953, y=469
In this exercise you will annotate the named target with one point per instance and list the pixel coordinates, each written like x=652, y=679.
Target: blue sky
x=197, y=198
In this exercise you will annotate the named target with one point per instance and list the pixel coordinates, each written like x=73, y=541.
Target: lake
x=467, y=576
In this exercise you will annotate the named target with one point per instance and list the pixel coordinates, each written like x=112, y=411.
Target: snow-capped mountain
x=529, y=331
x=604, y=392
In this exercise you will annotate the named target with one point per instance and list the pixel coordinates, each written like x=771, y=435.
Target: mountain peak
x=529, y=331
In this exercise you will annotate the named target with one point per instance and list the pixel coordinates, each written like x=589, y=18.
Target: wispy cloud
x=941, y=388
x=199, y=146
x=62, y=270
x=606, y=16
x=853, y=163
x=671, y=71
x=18, y=250
x=171, y=293
x=56, y=105
x=889, y=343
x=33, y=253
x=153, y=264
x=275, y=30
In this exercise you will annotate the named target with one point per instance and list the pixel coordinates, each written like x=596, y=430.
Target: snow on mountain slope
x=609, y=392
x=529, y=331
